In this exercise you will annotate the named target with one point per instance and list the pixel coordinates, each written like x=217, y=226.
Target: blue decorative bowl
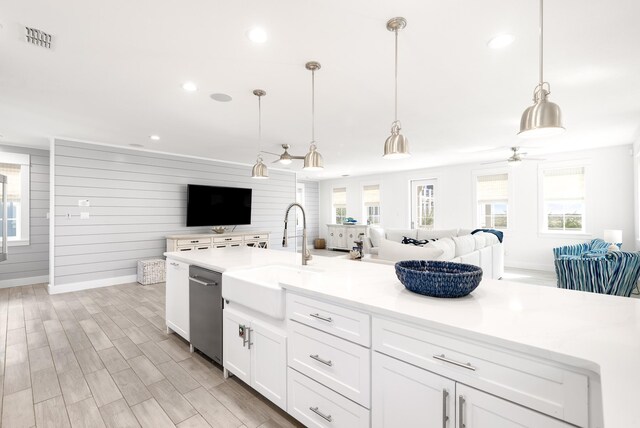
x=438, y=279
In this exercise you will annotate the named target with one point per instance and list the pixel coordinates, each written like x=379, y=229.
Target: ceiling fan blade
x=270, y=153
x=534, y=159
x=494, y=162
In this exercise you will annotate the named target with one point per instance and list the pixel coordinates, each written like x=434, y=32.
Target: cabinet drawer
x=534, y=383
x=255, y=237
x=317, y=406
x=195, y=241
x=334, y=362
x=342, y=322
x=227, y=239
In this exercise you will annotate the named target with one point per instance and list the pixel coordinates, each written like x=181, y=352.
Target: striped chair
x=589, y=267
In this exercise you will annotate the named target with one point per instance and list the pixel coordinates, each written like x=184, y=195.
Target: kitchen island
x=572, y=355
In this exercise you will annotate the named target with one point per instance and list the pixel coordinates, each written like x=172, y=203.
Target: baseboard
x=531, y=266
x=17, y=282
x=87, y=285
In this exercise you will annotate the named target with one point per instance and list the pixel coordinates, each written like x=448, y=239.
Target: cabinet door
x=331, y=237
x=340, y=237
x=477, y=409
x=404, y=395
x=269, y=363
x=177, y=298
x=236, y=354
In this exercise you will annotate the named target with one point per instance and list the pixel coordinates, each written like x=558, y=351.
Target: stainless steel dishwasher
x=205, y=311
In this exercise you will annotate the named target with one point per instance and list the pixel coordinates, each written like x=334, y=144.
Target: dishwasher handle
x=208, y=284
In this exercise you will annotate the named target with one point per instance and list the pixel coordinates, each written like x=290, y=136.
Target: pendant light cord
x=313, y=106
x=541, y=42
x=259, y=124
x=396, y=78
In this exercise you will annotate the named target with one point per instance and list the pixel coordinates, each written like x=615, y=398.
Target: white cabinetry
x=256, y=353
x=329, y=368
x=205, y=241
x=177, y=298
x=341, y=237
x=418, y=398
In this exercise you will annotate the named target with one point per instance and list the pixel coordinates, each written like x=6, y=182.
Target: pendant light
x=259, y=170
x=543, y=118
x=396, y=146
x=313, y=160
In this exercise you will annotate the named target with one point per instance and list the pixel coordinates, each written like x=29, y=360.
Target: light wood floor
x=101, y=358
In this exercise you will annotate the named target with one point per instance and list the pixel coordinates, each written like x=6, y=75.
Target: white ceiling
x=116, y=70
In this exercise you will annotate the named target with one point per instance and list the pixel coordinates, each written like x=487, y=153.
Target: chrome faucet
x=306, y=254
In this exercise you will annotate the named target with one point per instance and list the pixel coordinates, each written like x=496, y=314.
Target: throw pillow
x=464, y=244
x=447, y=246
x=396, y=235
x=419, y=242
x=376, y=235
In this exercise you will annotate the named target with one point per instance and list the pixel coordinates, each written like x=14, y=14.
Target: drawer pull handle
x=320, y=317
x=321, y=360
x=194, y=242
x=442, y=357
x=461, y=412
x=315, y=410
x=208, y=284
x=445, y=417
x=173, y=264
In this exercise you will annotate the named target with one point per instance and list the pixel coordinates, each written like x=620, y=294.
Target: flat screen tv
x=218, y=206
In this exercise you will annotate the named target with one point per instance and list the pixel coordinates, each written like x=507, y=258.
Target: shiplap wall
x=29, y=264
x=311, y=208
x=136, y=199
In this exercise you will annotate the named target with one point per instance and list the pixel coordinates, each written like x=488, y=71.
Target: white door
x=236, y=354
x=423, y=204
x=269, y=363
x=177, y=298
x=477, y=409
x=406, y=396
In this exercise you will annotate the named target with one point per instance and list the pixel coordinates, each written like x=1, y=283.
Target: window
x=16, y=168
x=371, y=199
x=423, y=204
x=339, y=203
x=563, y=200
x=492, y=196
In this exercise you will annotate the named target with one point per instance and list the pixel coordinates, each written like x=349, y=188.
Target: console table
x=341, y=236
x=205, y=241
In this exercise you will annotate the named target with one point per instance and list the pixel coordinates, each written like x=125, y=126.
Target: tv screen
x=218, y=206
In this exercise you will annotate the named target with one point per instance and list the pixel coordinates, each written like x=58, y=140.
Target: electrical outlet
x=84, y=203
x=68, y=215
x=84, y=216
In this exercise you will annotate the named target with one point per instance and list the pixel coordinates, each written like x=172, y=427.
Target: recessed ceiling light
x=223, y=98
x=257, y=35
x=500, y=41
x=154, y=137
x=189, y=86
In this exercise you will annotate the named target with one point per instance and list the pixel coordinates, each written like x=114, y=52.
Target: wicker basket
x=438, y=279
x=151, y=271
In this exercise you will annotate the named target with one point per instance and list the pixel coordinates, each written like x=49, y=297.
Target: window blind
x=340, y=196
x=371, y=195
x=563, y=184
x=492, y=188
x=12, y=172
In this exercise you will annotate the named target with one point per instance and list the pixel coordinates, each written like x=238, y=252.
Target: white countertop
x=596, y=332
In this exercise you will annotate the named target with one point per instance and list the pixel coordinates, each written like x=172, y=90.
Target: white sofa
x=455, y=245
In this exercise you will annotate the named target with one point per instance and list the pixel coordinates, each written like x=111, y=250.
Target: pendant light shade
x=313, y=159
x=397, y=145
x=543, y=118
x=259, y=170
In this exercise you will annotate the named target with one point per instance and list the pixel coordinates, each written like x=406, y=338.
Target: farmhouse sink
x=260, y=288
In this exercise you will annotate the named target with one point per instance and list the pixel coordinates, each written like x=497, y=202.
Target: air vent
x=38, y=37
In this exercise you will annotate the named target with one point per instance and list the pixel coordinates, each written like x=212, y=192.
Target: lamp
x=313, y=160
x=259, y=170
x=543, y=118
x=396, y=146
x=614, y=237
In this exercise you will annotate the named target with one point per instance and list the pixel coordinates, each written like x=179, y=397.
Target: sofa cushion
x=396, y=251
x=436, y=234
x=376, y=235
x=473, y=258
x=464, y=244
x=447, y=246
x=396, y=235
x=481, y=241
x=462, y=232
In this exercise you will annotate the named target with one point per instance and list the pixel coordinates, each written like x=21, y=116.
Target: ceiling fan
x=284, y=158
x=515, y=158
